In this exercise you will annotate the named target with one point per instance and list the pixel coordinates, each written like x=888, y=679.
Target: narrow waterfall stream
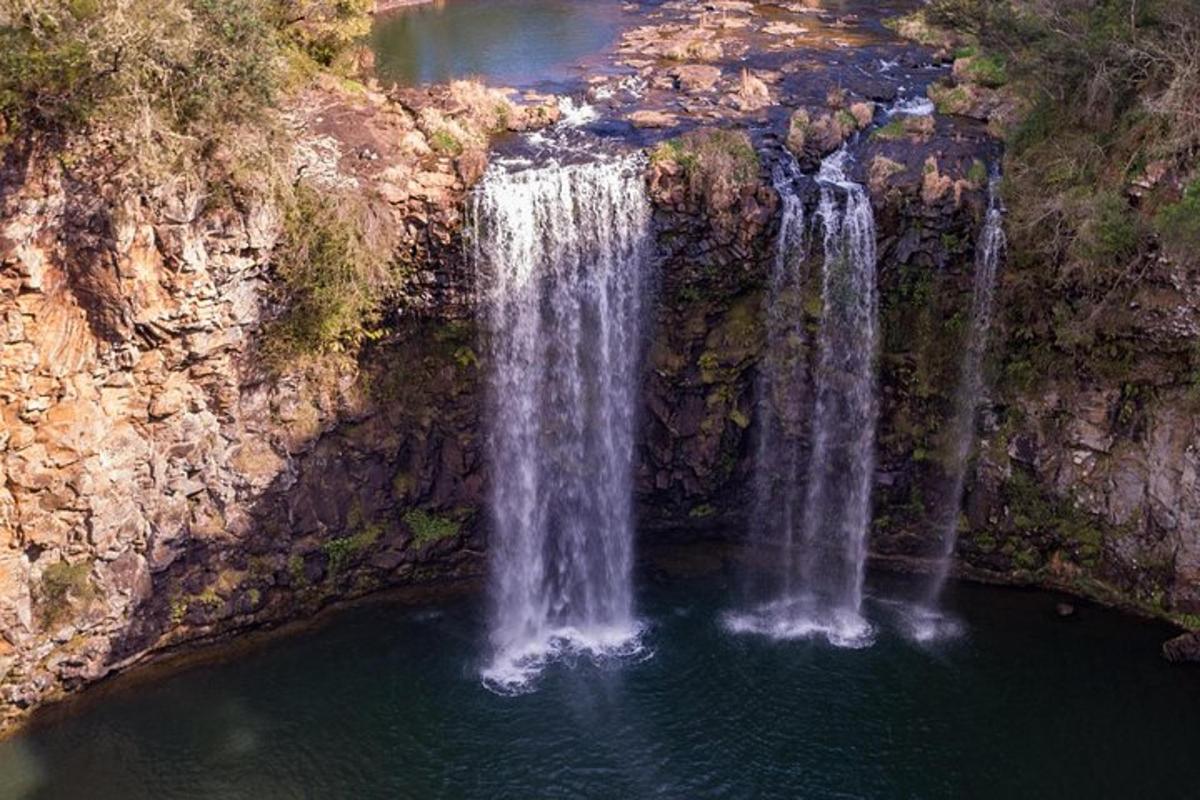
x=778, y=503
x=561, y=252
x=822, y=590
x=929, y=623
x=838, y=500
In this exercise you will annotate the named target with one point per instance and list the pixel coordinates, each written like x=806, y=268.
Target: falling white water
x=574, y=114
x=561, y=252
x=929, y=622
x=781, y=383
x=920, y=106
x=824, y=595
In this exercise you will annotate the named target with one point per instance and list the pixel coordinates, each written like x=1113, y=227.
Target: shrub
x=1179, y=225
x=63, y=584
x=446, y=143
x=150, y=67
x=1108, y=231
x=950, y=99
x=323, y=29
x=295, y=566
x=333, y=272
x=716, y=163
x=343, y=550
x=988, y=70
x=1109, y=87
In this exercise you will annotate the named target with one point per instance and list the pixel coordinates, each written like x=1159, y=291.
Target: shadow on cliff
x=384, y=496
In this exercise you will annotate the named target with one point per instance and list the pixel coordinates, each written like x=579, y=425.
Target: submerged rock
x=1183, y=649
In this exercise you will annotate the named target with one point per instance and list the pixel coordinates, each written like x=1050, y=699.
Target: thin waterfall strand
x=989, y=253
x=778, y=456
x=562, y=254
x=842, y=465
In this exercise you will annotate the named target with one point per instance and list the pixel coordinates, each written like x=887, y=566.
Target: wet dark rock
x=1183, y=649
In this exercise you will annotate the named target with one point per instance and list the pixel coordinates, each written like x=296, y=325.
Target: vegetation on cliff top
x=1102, y=168
x=334, y=271
x=715, y=165
x=158, y=71
x=135, y=94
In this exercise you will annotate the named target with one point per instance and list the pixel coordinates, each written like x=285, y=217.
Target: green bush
x=1108, y=232
x=61, y=585
x=428, y=528
x=333, y=271
x=446, y=143
x=149, y=67
x=343, y=550
x=1179, y=225
x=988, y=70
x=323, y=29
x=716, y=163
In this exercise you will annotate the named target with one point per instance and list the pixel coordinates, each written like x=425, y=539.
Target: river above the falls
x=386, y=702
x=517, y=42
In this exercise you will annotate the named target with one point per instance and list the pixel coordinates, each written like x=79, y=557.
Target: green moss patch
x=62, y=586
x=428, y=528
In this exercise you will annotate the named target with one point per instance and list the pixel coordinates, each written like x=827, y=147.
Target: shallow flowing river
x=519, y=42
x=386, y=702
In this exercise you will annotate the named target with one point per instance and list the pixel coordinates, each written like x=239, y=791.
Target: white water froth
x=913, y=106
x=574, y=114
x=515, y=670
x=803, y=617
x=926, y=625
x=562, y=254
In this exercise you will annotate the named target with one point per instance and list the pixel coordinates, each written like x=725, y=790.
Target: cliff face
x=158, y=488
x=1090, y=482
x=126, y=430
x=157, y=484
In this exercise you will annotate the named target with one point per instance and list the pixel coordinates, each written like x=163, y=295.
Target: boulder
x=652, y=119
x=1183, y=649
x=695, y=78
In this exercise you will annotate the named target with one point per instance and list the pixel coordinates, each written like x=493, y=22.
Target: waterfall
x=989, y=252
x=823, y=593
x=838, y=500
x=561, y=253
x=781, y=383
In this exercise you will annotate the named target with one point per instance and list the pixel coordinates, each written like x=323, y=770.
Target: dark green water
x=386, y=703
x=520, y=42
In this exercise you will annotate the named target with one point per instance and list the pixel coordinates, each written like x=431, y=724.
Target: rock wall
x=1088, y=480
x=158, y=486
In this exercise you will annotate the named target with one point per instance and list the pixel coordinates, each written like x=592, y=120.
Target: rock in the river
x=696, y=77
x=652, y=119
x=1183, y=649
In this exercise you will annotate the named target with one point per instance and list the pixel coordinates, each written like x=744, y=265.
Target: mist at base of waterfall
x=517, y=669
x=803, y=617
